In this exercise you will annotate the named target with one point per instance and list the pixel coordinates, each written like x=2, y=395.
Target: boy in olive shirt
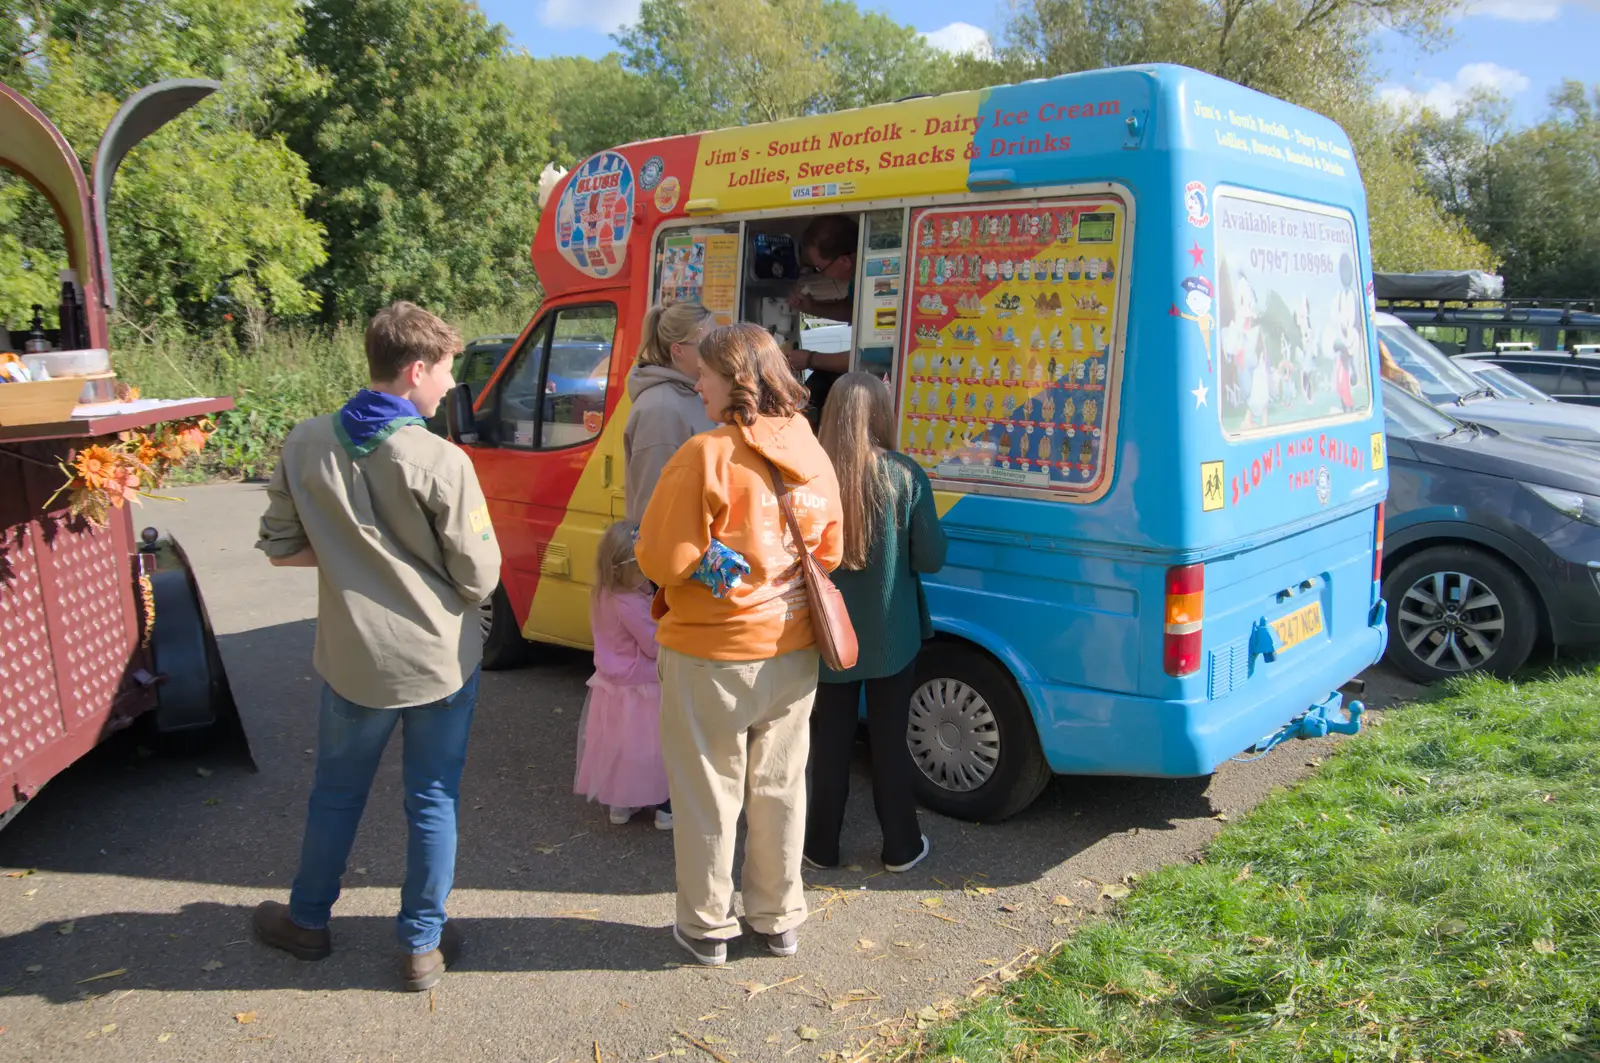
x=394, y=521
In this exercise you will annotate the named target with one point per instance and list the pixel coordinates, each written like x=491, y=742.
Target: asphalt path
x=126, y=933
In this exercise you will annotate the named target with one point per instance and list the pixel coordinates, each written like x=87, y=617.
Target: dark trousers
x=834, y=718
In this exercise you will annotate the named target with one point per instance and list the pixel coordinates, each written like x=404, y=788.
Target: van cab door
x=546, y=465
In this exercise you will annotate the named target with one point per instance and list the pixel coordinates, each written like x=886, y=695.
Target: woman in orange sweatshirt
x=739, y=667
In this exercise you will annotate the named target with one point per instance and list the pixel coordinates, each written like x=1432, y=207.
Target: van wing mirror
x=460, y=425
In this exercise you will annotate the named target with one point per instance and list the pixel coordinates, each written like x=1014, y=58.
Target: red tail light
x=1377, y=548
x=1185, y=614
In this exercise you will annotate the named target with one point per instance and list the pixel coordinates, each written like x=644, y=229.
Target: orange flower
x=193, y=437
x=96, y=466
x=124, y=486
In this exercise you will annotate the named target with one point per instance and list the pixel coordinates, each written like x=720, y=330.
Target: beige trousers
x=735, y=736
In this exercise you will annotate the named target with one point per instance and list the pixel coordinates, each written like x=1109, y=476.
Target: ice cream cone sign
x=548, y=180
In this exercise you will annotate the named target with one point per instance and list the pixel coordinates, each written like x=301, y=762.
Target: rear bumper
x=1089, y=732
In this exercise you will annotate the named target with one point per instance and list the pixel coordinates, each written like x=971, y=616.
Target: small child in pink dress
x=619, y=736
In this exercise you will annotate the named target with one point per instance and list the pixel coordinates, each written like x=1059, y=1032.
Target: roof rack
x=1506, y=309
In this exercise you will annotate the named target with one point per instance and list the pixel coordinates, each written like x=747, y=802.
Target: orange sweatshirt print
x=718, y=486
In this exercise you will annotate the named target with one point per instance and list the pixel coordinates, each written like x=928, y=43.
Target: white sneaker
x=663, y=819
x=619, y=815
x=900, y=868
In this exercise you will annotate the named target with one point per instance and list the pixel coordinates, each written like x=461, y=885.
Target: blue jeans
x=350, y=743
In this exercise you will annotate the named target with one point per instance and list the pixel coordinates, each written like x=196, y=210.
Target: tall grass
x=292, y=375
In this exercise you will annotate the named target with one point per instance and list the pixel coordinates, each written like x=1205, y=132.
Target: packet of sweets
x=721, y=569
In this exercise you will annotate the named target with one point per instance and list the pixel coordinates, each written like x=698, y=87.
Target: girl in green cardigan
x=891, y=533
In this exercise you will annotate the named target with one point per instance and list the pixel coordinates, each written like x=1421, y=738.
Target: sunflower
x=96, y=466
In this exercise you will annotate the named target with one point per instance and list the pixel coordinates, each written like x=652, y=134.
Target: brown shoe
x=273, y=927
x=419, y=971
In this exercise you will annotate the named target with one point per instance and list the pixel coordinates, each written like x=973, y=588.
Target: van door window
x=517, y=406
x=577, y=369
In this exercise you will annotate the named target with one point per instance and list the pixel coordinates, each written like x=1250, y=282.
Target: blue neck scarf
x=370, y=418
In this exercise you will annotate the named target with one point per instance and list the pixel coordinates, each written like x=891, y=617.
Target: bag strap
x=781, y=489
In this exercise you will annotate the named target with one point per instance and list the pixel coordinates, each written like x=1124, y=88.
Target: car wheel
x=503, y=644
x=972, y=737
x=1453, y=610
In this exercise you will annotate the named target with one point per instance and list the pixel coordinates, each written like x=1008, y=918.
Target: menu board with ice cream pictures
x=1009, y=374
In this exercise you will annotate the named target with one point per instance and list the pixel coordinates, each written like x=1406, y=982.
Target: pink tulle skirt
x=619, y=745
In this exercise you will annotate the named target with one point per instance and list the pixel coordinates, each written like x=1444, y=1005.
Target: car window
x=1407, y=417
x=1506, y=382
x=1441, y=379
x=1545, y=376
x=575, y=387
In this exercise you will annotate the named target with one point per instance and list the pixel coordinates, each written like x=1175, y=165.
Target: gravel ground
x=144, y=868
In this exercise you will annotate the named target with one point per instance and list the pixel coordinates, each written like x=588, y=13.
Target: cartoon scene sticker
x=1010, y=344
x=1290, y=346
x=595, y=215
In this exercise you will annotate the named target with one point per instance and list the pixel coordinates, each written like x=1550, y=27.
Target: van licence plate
x=1298, y=626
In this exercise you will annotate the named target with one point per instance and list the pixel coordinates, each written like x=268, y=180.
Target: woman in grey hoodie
x=666, y=411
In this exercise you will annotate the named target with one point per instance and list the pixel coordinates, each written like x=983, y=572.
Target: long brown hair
x=857, y=427
x=665, y=325
x=747, y=356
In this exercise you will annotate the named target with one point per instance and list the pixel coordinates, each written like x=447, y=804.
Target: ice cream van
x=1127, y=317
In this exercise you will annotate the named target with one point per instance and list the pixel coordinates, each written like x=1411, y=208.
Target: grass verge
x=1433, y=893
x=292, y=375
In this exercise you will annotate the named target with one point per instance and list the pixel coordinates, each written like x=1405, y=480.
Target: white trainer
x=901, y=868
x=619, y=816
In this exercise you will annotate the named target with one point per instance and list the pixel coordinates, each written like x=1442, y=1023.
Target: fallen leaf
x=120, y=971
x=1509, y=1038
x=1549, y=798
x=931, y=902
x=984, y=891
x=1061, y=920
x=1545, y=946
x=993, y=961
x=713, y=1039
x=866, y=943
x=1451, y=927
x=35, y=969
x=109, y=1027
x=545, y=849
x=361, y=871
x=1009, y=908
x=1114, y=891
x=163, y=1039
x=775, y=1039
x=204, y=773
x=1221, y=817
x=213, y=801
x=930, y=1013
x=211, y=965
x=905, y=944
x=30, y=893
x=581, y=913
x=22, y=874
x=1243, y=875
x=1063, y=901
x=807, y=1033
x=68, y=927
x=245, y=1018
x=852, y=867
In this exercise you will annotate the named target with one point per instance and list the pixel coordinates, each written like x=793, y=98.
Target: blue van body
x=1282, y=511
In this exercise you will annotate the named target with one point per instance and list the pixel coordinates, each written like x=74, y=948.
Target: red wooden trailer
x=97, y=628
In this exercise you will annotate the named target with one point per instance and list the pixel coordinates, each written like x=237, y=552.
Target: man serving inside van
x=828, y=249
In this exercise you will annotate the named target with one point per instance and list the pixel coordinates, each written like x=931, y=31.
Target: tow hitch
x=1319, y=721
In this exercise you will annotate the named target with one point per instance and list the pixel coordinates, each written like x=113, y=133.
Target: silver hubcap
x=1452, y=622
x=486, y=618
x=953, y=735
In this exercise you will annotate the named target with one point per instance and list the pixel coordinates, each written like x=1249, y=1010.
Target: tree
x=732, y=62
x=206, y=217
x=1532, y=195
x=426, y=145
x=1314, y=53
x=597, y=104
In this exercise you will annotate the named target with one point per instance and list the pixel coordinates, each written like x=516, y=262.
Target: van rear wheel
x=503, y=644
x=972, y=737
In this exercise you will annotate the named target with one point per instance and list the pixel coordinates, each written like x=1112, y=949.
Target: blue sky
x=1521, y=47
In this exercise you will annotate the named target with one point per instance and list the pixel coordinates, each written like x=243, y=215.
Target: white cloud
x=1447, y=97
x=606, y=16
x=1514, y=10
x=960, y=37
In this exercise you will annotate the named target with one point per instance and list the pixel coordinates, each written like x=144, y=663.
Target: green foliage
x=207, y=216
x=32, y=252
x=1533, y=195
x=1429, y=895
x=426, y=149
x=597, y=104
